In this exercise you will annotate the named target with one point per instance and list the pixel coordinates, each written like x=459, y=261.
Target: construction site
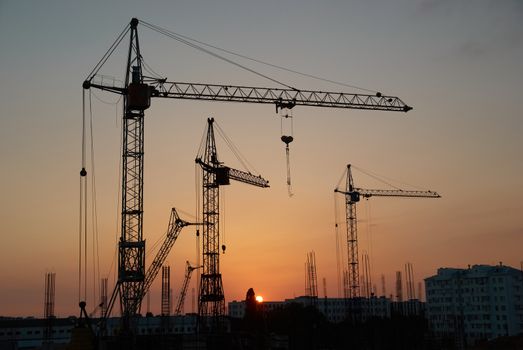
x=119, y=320
x=146, y=299
x=210, y=324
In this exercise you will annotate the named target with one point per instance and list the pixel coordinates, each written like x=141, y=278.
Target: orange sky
x=458, y=66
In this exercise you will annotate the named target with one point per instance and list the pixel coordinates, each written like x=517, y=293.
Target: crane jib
x=139, y=96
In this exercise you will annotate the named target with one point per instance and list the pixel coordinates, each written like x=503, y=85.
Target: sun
x=259, y=298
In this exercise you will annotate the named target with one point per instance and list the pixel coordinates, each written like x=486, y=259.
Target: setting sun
x=259, y=298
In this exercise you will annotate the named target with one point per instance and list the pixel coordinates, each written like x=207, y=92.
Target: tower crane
x=188, y=272
x=215, y=174
x=137, y=91
x=352, y=197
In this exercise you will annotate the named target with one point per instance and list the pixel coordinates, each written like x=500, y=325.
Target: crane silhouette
x=137, y=90
x=352, y=197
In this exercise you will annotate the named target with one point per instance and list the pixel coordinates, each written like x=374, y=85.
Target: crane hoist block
x=139, y=96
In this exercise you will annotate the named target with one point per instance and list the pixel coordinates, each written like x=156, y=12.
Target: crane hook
x=287, y=139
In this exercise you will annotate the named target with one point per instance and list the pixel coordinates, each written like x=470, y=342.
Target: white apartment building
x=481, y=302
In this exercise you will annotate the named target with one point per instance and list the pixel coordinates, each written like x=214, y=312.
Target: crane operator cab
x=138, y=93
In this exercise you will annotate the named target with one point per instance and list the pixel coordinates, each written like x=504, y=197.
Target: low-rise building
x=334, y=309
x=31, y=333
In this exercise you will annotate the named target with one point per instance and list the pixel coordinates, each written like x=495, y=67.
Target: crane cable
x=343, y=176
x=104, y=101
x=197, y=185
x=161, y=238
x=289, y=185
x=198, y=181
x=94, y=208
x=259, y=61
x=344, y=254
x=235, y=150
x=381, y=178
x=148, y=69
x=178, y=38
x=83, y=173
x=108, y=53
x=83, y=209
x=222, y=221
x=287, y=136
x=201, y=147
x=113, y=265
x=193, y=43
x=338, y=249
x=369, y=242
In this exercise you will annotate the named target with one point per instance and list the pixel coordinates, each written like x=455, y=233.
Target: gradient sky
x=458, y=63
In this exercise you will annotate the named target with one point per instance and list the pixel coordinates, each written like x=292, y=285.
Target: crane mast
x=211, y=302
x=131, y=247
x=137, y=91
x=211, y=297
x=352, y=197
x=352, y=238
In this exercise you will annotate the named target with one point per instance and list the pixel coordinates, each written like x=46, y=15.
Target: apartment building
x=480, y=302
